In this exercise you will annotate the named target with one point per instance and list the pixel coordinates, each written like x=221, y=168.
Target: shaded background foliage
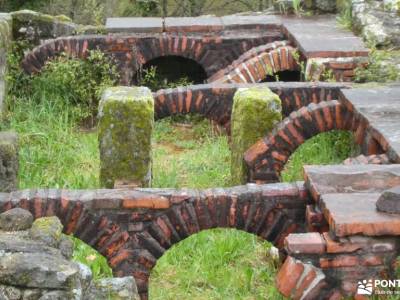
x=95, y=11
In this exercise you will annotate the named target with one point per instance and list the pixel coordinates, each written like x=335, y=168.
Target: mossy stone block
x=126, y=121
x=255, y=112
x=34, y=26
x=8, y=161
x=47, y=230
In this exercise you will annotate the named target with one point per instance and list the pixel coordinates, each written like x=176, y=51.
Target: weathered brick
x=146, y=202
x=333, y=246
x=288, y=276
x=305, y=243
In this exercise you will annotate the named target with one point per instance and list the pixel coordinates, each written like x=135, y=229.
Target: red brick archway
x=213, y=52
x=133, y=229
x=267, y=158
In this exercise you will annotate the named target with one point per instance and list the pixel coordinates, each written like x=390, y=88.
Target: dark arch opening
x=170, y=71
x=331, y=147
x=220, y=263
x=285, y=76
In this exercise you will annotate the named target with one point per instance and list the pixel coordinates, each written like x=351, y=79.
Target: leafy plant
x=66, y=79
x=382, y=67
x=152, y=79
x=345, y=14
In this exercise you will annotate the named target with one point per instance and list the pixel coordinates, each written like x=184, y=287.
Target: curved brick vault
x=267, y=158
x=258, y=63
x=214, y=101
x=213, y=52
x=133, y=228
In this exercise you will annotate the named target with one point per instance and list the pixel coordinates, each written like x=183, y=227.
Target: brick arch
x=212, y=52
x=134, y=228
x=214, y=100
x=257, y=67
x=266, y=159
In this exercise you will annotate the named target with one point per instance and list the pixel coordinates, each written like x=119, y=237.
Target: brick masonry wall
x=212, y=51
x=214, y=101
x=133, y=228
x=267, y=158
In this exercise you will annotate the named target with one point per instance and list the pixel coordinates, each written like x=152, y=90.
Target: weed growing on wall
x=383, y=66
x=153, y=80
x=344, y=17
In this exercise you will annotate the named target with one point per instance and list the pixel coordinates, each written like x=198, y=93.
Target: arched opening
x=170, y=71
x=190, y=151
x=285, y=76
x=216, y=264
x=331, y=147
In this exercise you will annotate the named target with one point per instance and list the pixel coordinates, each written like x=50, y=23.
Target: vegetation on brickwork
x=383, y=66
x=152, y=79
x=344, y=17
x=66, y=79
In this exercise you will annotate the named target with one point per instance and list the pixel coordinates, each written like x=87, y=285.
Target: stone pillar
x=8, y=161
x=255, y=112
x=126, y=120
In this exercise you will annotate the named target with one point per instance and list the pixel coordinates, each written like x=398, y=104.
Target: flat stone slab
x=351, y=179
x=322, y=37
x=146, y=25
x=356, y=213
x=193, y=24
x=232, y=22
x=381, y=107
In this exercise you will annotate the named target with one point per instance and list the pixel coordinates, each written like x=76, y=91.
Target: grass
x=91, y=258
x=327, y=148
x=215, y=264
x=54, y=152
x=189, y=155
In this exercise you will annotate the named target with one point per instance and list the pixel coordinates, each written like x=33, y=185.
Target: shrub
x=66, y=79
x=382, y=67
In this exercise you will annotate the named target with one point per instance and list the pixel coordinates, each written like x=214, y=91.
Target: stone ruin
x=335, y=230
x=35, y=263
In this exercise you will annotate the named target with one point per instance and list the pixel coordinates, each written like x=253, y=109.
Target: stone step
x=355, y=213
x=351, y=179
x=381, y=108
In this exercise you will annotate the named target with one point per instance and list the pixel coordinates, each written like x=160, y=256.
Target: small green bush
x=74, y=81
x=382, y=67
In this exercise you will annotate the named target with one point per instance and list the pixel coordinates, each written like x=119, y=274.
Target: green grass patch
x=90, y=257
x=189, y=155
x=216, y=264
x=326, y=148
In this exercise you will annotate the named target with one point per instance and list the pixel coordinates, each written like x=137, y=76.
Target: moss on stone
x=30, y=15
x=90, y=29
x=48, y=230
x=255, y=112
x=126, y=120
